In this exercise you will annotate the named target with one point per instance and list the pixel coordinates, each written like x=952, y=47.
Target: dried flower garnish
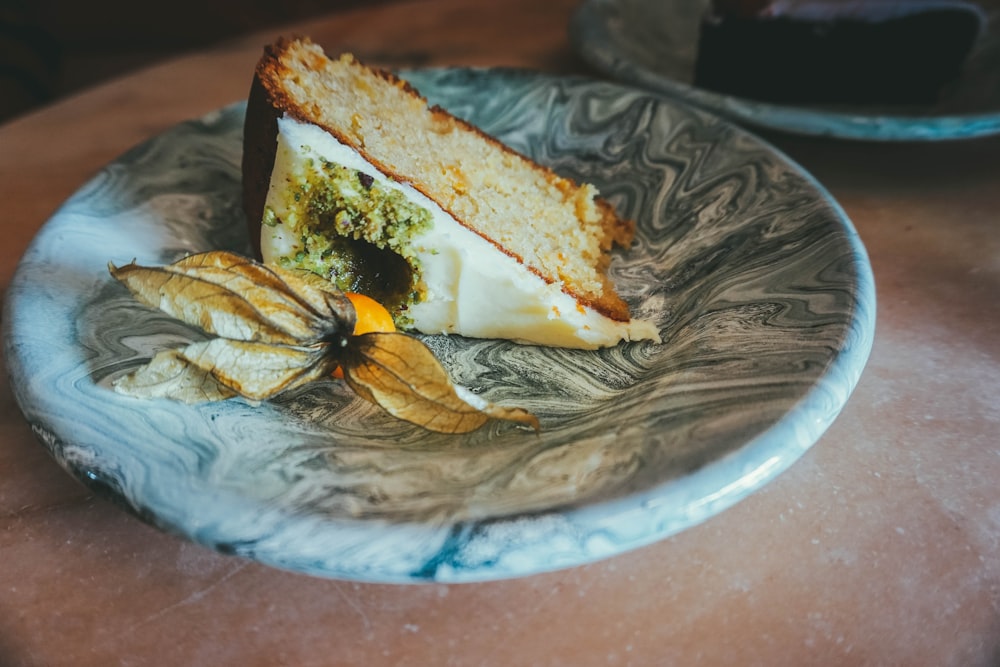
x=278, y=329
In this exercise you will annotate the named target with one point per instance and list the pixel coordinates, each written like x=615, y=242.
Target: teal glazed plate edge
x=653, y=45
x=758, y=282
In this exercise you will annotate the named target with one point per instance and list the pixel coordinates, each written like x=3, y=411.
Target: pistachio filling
x=355, y=232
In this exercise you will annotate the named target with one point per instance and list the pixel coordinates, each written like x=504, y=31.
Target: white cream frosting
x=471, y=288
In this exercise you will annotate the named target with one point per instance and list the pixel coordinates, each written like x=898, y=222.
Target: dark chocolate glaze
x=260, y=131
x=902, y=60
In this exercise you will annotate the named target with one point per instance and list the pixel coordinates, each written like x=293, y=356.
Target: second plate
x=653, y=44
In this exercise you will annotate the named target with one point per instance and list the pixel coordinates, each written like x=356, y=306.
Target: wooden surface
x=881, y=546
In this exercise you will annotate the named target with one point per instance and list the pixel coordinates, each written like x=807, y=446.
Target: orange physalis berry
x=371, y=316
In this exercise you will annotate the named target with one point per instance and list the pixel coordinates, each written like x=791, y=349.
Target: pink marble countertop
x=881, y=545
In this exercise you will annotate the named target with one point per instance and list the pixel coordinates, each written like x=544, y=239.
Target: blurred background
x=50, y=49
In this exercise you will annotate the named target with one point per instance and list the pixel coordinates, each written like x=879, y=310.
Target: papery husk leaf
x=400, y=374
x=233, y=297
x=258, y=371
x=303, y=288
x=320, y=294
x=494, y=411
x=169, y=375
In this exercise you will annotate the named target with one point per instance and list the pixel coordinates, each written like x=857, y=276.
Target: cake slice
x=349, y=173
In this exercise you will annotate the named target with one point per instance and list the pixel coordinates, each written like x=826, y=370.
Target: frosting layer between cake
x=446, y=278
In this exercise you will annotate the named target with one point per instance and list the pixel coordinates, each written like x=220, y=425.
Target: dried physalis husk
x=407, y=380
x=278, y=329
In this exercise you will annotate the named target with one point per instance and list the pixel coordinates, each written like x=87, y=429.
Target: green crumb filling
x=357, y=233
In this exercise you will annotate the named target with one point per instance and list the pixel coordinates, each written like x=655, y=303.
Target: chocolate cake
x=826, y=52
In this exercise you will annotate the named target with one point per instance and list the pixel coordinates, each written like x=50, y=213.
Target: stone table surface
x=880, y=546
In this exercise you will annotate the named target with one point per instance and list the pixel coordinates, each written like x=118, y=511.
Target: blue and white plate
x=759, y=284
x=653, y=44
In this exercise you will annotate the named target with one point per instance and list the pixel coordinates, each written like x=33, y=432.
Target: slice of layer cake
x=348, y=172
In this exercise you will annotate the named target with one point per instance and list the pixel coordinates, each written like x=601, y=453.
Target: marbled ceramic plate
x=653, y=43
x=759, y=284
